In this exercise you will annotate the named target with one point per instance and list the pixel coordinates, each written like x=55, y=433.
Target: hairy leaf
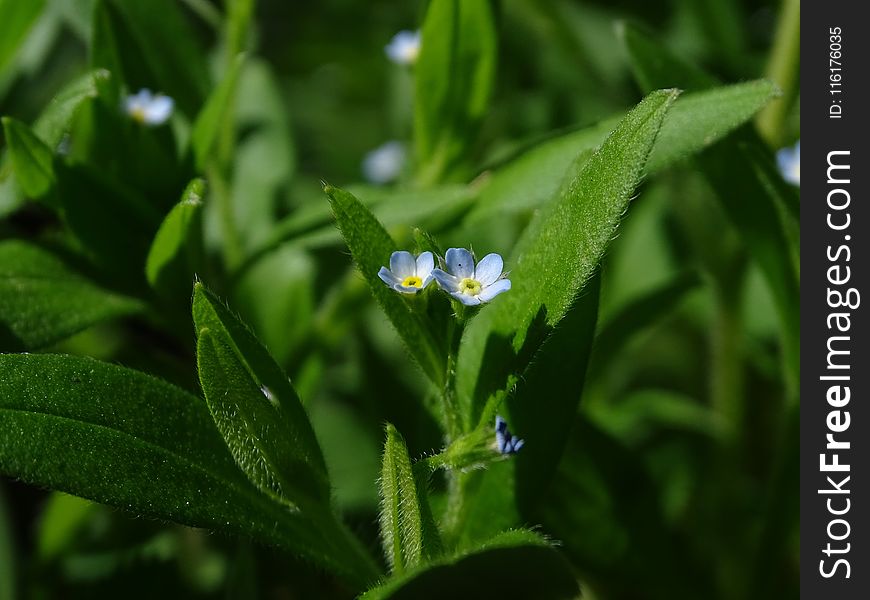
x=695, y=121
x=129, y=440
x=555, y=257
x=407, y=528
x=256, y=408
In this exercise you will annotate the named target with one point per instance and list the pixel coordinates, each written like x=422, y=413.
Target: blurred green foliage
x=618, y=154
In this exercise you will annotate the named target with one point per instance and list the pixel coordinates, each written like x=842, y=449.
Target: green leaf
x=178, y=241
x=43, y=300
x=31, y=159
x=215, y=116
x=695, y=121
x=514, y=564
x=55, y=119
x=371, y=247
x=408, y=531
x=540, y=410
x=256, y=408
x=555, y=257
x=129, y=440
x=701, y=118
x=454, y=79
x=18, y=18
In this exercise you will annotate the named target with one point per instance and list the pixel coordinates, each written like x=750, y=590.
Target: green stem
x=783, y=69
x=232, y=243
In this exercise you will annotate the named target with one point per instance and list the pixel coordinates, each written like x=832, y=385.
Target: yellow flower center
x=469, y=286
x=412, y=281
x=138, y=115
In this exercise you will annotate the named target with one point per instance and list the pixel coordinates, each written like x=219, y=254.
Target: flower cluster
x=504, y=441
x=466, y=283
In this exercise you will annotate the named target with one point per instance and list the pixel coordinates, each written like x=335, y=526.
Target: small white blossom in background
x=385, y=163
x=504, y=441
x=407, y=275
x=468, y=284
x=149, y=109
x=789, y=161
x=404, y=48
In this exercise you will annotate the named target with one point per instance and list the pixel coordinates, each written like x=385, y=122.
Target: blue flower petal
x=158, y=110
x=425, y=264
x=402, y=264
x=387, y=277
x=466, y=299
x=460, y=263
x=488, y=269
x=448, y=282
x=490, y=292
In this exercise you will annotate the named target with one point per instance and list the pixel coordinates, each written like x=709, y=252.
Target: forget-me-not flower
x=789, y=161
x=148, y=108
x=506, y=443
x=404, y=48
x=468, y=284
x=407, y=275
x=384, y=163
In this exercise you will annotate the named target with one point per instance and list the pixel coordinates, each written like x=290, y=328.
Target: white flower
x=407, y=275
x=789, y=161
x=384, y=163
x=468, y=284
x=404, y=48
x=148, y=108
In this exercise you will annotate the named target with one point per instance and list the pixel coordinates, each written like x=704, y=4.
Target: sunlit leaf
x=556, y=256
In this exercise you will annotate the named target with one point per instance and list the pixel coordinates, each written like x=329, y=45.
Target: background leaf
x=215, y=116
x=179, y=240
x=454, y=79
x=31, y=159
x=43, y=300
x=18, y=18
